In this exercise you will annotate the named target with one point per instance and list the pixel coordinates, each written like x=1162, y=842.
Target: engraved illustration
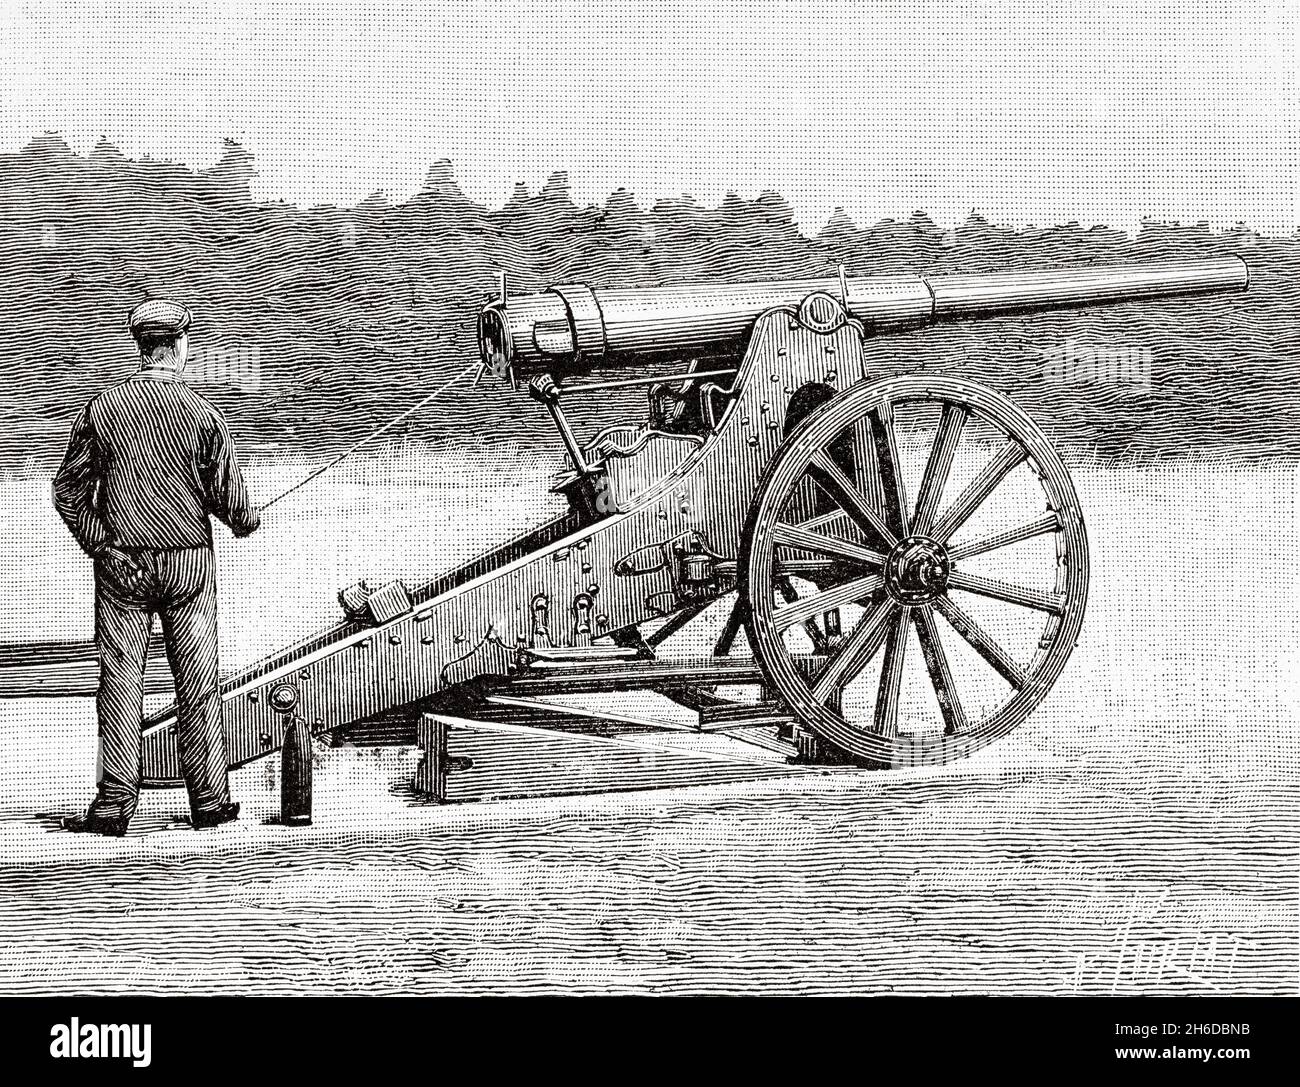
x=646, y=500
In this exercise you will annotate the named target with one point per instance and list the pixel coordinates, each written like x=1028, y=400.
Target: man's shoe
x=205, y=820
x=109, y=826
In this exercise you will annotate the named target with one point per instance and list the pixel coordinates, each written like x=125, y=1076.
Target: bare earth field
x=1137, y=835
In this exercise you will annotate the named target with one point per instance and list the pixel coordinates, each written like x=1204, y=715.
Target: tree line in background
x=313, y=326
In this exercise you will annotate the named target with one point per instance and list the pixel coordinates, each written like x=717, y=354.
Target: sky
x=1029, y=111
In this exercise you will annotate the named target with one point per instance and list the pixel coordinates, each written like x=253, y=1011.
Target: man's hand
x=120, y=568
x=250, y=526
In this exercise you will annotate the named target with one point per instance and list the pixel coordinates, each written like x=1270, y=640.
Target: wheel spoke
x=851, y=591
x=854, y=654
x=938, y=466
x=891, y=478
x=815, y=633
x=866, y=473
x=1011, y=594
x=816, y=524
x=1050, y=523
x=979, y=641
x=805, y=540
x=936, y=662
x=831, y=478
x=808, y=569
x=977, y=491
x=891, y=676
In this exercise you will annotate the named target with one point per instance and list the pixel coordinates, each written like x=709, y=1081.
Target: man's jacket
x=147, y=462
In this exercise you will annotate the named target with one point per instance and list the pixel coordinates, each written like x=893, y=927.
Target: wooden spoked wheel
x=880, y=572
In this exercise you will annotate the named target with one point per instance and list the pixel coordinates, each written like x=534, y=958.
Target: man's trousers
x=180, y=587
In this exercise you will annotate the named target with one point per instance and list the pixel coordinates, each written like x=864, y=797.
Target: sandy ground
x=1138, y=834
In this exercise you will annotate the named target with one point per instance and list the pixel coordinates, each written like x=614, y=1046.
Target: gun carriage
x=808, y=530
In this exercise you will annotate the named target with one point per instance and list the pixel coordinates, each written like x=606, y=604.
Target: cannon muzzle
x=577, y=328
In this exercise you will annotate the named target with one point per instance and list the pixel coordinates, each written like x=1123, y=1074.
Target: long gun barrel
x=576, y=328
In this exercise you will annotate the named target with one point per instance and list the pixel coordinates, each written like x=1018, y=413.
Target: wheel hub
x=917, y=570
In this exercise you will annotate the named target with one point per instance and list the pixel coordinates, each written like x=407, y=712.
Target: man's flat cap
x=158, y=317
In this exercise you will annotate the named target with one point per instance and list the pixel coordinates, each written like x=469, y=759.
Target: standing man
x=148, y=461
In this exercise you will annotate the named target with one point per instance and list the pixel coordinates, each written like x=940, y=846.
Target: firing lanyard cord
x=371, y=436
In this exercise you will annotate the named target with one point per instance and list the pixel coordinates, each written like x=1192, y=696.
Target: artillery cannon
x=776, y=488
